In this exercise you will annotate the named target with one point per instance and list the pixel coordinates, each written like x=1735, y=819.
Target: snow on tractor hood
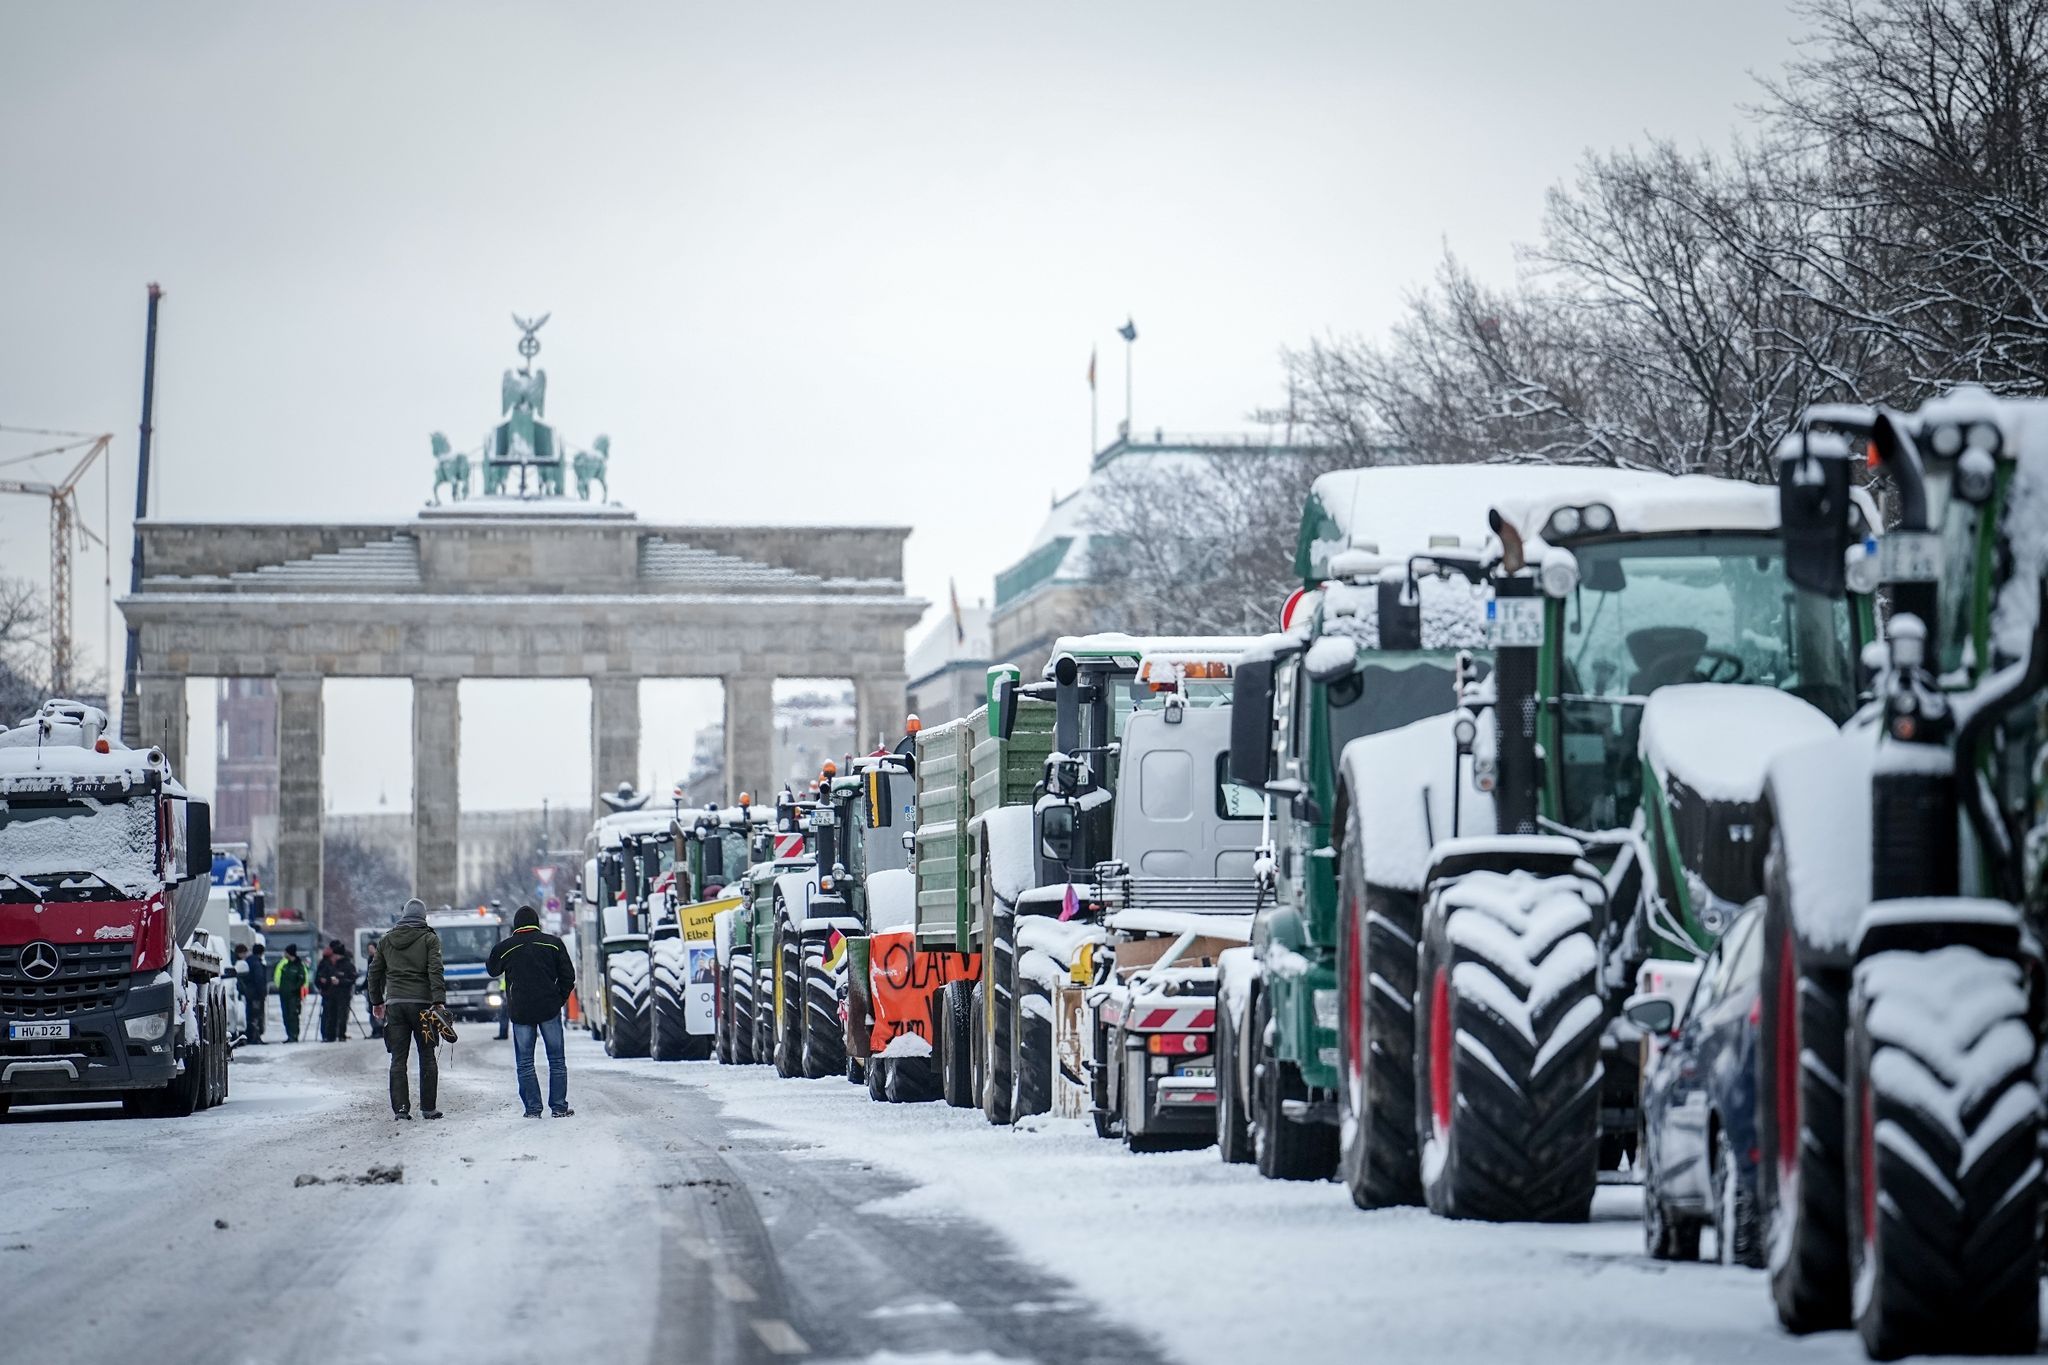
x=892, y=900
x=1820, y=800
x=1399, y=783
x=1719, y=738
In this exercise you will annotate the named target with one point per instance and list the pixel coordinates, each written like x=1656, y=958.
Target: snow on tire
x=824, y=1037
x=1031, y=1060
x=1001, y=977
x=627, y=983
x=956, y=1049
x=1508, y=1056
x=739, y=1025
x=1944, y=1172
x=668, y=1036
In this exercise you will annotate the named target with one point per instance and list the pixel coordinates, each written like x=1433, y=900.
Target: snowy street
x=696, y=1212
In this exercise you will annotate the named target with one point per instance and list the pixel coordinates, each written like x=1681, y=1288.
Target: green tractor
x=1902, y=990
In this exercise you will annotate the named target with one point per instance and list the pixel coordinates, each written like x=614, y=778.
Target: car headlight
x=147, y=1028
x=494, y=1000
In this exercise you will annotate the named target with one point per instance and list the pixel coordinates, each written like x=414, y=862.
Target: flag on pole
x=835, y=951
x=959, y=622
x=1129, y=331
x=1091, y=369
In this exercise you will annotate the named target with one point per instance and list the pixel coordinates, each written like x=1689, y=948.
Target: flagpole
x=1094, y=411
x=1130, y=344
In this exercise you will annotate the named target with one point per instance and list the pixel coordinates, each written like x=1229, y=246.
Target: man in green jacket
x=291, y=989
x=405, y=983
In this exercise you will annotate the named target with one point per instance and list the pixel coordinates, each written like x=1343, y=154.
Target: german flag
x=835, y=950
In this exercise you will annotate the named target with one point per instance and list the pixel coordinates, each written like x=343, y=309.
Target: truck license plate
x=24, y=1032
x=1514, y=622
x=1205, y=1070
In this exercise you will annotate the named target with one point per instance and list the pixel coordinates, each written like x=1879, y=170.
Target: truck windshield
x=1654, y=611
x=78, y=848
x=467, y=942
x=1390, y=689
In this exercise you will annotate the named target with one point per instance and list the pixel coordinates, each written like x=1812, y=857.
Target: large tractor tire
x=1233, y=1133
x=1031, y=1060
x=1508, y=1061
x=955, y=1020
x=878, y=1079
x=739, y=1008
x=1944, y=1189
x=628, y=991
x=824, y=1036
x=668, y=1038
x=787, y=1036
x=999, y=968
x=1802, y=1056
x=1282, y=1148
x=1378, y=1157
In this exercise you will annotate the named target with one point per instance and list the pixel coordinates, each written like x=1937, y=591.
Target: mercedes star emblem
x=39, y=961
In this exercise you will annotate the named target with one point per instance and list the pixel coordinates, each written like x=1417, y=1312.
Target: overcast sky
x=806, y=262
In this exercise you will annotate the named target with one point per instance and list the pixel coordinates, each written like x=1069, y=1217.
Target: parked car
x=1699, y=1146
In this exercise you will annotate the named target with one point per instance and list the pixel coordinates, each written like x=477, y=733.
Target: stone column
x=436, y=791
x=164, y=721
x=299, y=751
x=614, y=738
x=750, y=738
x=880, y=704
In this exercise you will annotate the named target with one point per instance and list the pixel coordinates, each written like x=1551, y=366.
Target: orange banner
x=903, y=983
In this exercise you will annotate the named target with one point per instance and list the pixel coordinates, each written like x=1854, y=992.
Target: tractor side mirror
x=1400, y=619
x=1251, y=724
x=1003, y=714
x=1814, y=511
x=198, y=839
x=1056, y=828
x=650, y=866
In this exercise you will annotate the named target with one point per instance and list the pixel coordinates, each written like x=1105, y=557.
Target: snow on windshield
x=80, y=834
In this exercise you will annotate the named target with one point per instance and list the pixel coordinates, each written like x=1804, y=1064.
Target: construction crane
x=65, y=525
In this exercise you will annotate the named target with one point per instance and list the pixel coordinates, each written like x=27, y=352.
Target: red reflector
x=1177, y=1044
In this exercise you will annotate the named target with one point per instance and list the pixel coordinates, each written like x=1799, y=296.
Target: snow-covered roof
x=1398, y=510
x=1116, y=644
x=59, y=742
x=647, y=820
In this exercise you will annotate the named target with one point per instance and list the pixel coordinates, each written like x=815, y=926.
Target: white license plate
x=25, y=1032
x=1514, y=622
x=1205, y=1070
x=1909, y=557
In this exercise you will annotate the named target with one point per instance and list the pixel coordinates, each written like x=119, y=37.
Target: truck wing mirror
x=1056, y=826
x=1296, y=794
x=1003, y=717
x=1400, y=619
x=1251, y=724
x=198, y=839
x=1815, y=510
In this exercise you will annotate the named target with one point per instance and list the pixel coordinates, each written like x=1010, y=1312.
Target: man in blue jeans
x=538, y=979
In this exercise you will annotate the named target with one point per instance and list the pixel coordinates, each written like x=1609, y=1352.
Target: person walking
x=405, y=984
x=538, y=979
x=369, y=964
x=334, y=981
x=255, y=986
x=291, y=990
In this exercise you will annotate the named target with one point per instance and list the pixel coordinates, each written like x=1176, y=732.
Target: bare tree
x=1200, y=543
x=361, y=886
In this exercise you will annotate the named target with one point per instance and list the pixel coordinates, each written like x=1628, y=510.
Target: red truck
x=109, y=987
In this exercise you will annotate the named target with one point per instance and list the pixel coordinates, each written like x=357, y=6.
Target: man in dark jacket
x=255, y=985
x=538, y=979
x=405, y=983
x=335, y=980
x=291, y=990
